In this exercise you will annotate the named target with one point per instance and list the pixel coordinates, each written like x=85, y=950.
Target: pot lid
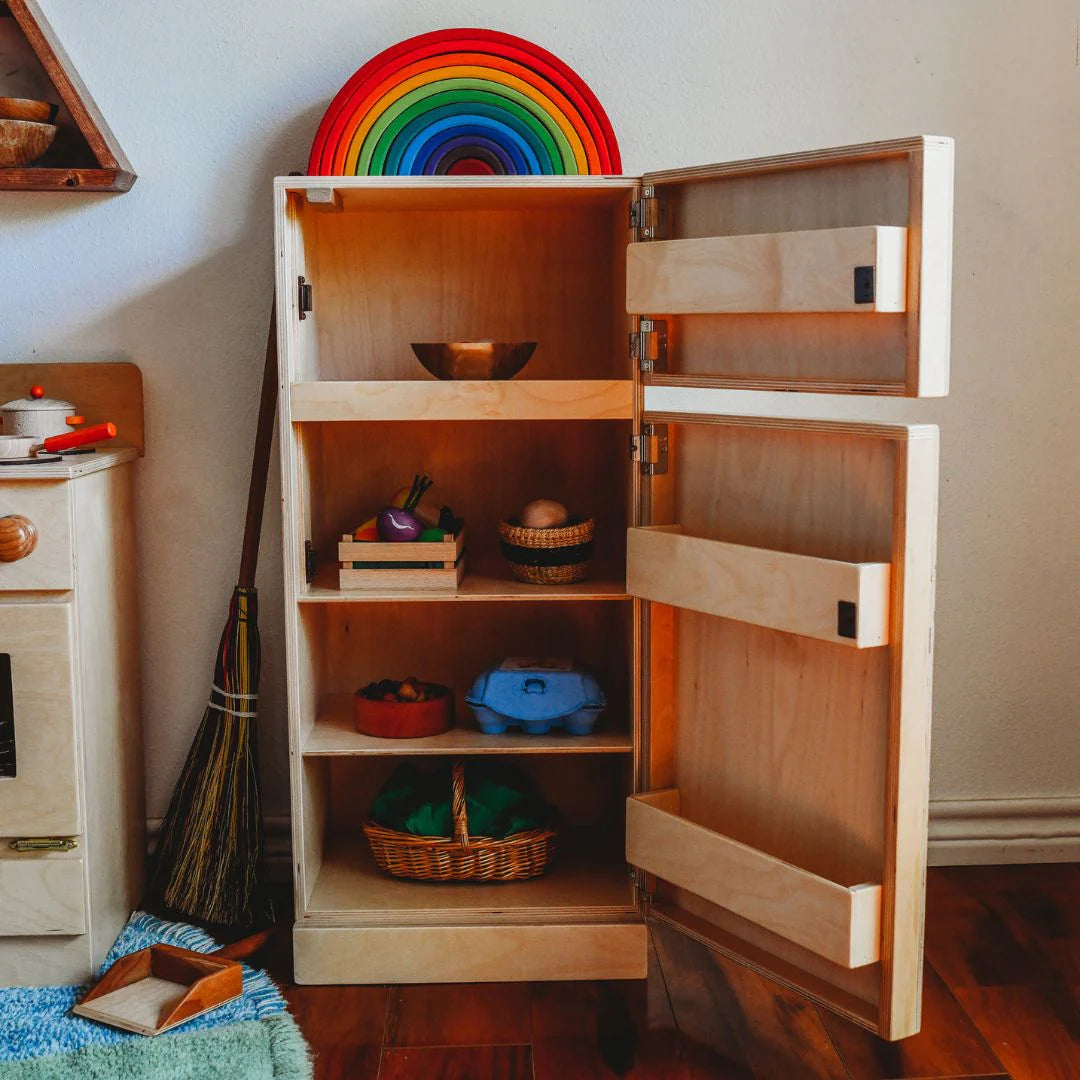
x=38, y=402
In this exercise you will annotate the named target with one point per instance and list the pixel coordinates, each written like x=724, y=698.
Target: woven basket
x=557, y=556
x=461, y=857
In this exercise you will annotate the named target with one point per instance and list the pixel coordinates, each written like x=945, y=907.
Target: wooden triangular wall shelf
x=85, y=155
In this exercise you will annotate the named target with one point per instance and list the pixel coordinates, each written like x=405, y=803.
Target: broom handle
x=260, y=464
x=245, y=947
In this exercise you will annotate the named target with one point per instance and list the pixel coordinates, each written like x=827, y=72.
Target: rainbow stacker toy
x=465, y=102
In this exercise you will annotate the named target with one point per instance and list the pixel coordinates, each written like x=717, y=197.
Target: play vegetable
x=396, y=526
x=410, y=689
x=400, y=521
x=543, y=514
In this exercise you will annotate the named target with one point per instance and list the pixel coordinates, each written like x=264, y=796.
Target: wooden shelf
x=449, y=193
x=838, y=922
x=695, y=383
x=798, y=593
x=607, y=584
x=589, y=879
x=813, y=270
x=334, y=736
x=512, y=399
x=85, y=155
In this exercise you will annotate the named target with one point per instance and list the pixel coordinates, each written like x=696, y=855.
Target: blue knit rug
x=39, y=1038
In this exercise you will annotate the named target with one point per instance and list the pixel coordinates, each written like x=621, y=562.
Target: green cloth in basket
x=499, y=801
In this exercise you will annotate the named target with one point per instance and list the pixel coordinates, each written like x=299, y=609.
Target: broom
x=209, y=862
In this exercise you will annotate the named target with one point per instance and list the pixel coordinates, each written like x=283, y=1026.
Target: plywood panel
x=47, y=505
x=588, y=792
x=100, y=392
x=496, y=953
x=781, y=744
x=789, y=744
x=521, y=399
x=796, y=593
x=767, y=720
x=384, y=279
x=46, y=961
x=823, y=490
x=486, y=473
x=907, y=808
x=42, y=896
x=588, y=880
x=43, y=798
x=447, y=193
x=807, y=271
x=828, y=918
x=817, y=352
x=930, y=278
x=764, y=195
x=903, y=182
x=453, y=643
x=335, y=735
x=108, y=628
x=492, y=582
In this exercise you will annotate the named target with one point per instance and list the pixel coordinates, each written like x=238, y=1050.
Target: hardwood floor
x=1001, y=999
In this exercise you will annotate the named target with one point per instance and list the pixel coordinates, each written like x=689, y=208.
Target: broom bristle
x=208, y=864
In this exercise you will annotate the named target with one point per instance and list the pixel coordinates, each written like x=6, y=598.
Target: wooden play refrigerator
x=72, y=823
x=760, y=607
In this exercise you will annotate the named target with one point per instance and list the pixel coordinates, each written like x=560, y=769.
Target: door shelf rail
x=843, y=602
x=856, y=269
x=480, y=399
x=841, y=923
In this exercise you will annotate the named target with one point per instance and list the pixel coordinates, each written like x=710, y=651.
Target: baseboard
x=278, y=845
x=963, y=832
x=971, y=832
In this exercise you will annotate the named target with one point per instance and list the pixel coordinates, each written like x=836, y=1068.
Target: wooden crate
x=436, y=564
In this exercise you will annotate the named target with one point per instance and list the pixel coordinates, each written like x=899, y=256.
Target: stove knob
x=18, y=537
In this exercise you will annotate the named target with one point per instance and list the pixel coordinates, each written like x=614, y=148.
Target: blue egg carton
x=537, y=696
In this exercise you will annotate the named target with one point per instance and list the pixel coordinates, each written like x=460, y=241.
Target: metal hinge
x=648, y=345
x=641, y=881
x=650, y=449
x=311, y=561
x=647, y=215
x=44, y=843
x=303, y=296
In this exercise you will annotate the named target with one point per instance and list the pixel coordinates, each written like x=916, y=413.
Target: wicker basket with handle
x=461, y=857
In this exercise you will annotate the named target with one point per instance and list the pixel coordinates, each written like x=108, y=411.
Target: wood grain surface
x=1000, y=1005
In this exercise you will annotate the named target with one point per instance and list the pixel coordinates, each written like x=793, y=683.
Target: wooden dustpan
x=155, y=989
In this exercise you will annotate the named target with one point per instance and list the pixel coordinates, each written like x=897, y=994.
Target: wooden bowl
x=404, y=719
x=21, y=108
x=474, y=359
x=22, y=142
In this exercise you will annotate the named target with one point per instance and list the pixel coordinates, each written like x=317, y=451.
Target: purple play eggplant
x=396, y=525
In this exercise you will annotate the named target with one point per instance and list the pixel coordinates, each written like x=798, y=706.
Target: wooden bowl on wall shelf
x=473, y=359
x=22, y=142
x=21, y=108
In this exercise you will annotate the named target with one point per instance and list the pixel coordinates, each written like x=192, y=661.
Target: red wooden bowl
x=404, y=719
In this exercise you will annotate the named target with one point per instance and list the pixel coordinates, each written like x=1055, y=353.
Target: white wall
x=211, y=100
